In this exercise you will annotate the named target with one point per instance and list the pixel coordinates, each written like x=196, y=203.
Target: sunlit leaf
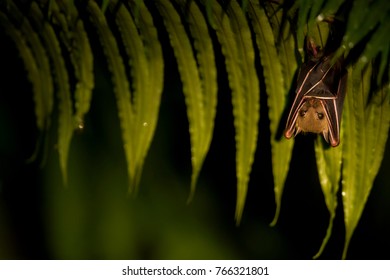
x=43, y=97
x=155, y=62
x=329, y=172
x=277, y=97
x=120, y=83
x=303, y=18
x=330, y=8
x=83, y=63
x=234, y=35
x=366, y=126
x=147, y=89
x=30, y=64
x=199, y=102
x=246, y=103
x=208, y=74
x=209, y=11
x=139, y=84
x=65, y=119
x=377, y=45
x=366, y=16
x=74, y=36
x=285, y=44
x=365, y=25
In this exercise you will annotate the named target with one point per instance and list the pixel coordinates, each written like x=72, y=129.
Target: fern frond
x=43, y=97
x=329, y=172
x=155, y=66
x=30, y=65
x=366, y=126
x=82, y=60
x=208, y=75
x=374, y=13
x=146, y=95
x=277, y=98
x=74, y=36
x=315, y=10
x=250, y=100
x=65, y=121
x=285, y=43
x=104, y=5
x=120, y=83
x=234, y=35
x=140, y=84
x=303, y=16
x=377, y=46
x=192, y=87
x=230, y=51
x=136, y=59
x=367, y=26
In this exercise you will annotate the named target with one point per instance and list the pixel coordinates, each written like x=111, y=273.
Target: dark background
x=93, y=217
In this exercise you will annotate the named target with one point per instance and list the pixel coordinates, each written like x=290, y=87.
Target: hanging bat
x=319, y=98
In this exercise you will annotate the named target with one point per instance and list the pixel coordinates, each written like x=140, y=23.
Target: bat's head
x=312, y=117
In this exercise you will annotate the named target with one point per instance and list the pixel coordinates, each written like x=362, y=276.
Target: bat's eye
x=320, y=115
x=302, y=113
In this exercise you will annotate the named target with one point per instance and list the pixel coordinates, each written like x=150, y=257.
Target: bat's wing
x=321, y=80
x=307, y=77
x=333, y=109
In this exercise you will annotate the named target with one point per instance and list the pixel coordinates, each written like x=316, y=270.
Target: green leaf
x=373, y=13
x=246, y=103
x=74, y=36
x=140, y=88
x=209, y=11
x=277, y=91
x=147, y=78
x=365, y=17
x=44, y=96
x=330, y=8
x=285, y=44
x=234, y=35
x=316, y=10
x=366, y=126
x=29, y=63
x=65, y=120
x=303, y=18
x=329, y=172
x=208, y=75
x=104, y=6
x=82, y=59
x=154, y=56
x=198, y=100
x=120, y=83
x=379, y=43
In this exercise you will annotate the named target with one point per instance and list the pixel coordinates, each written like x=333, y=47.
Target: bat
x=319, y=98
